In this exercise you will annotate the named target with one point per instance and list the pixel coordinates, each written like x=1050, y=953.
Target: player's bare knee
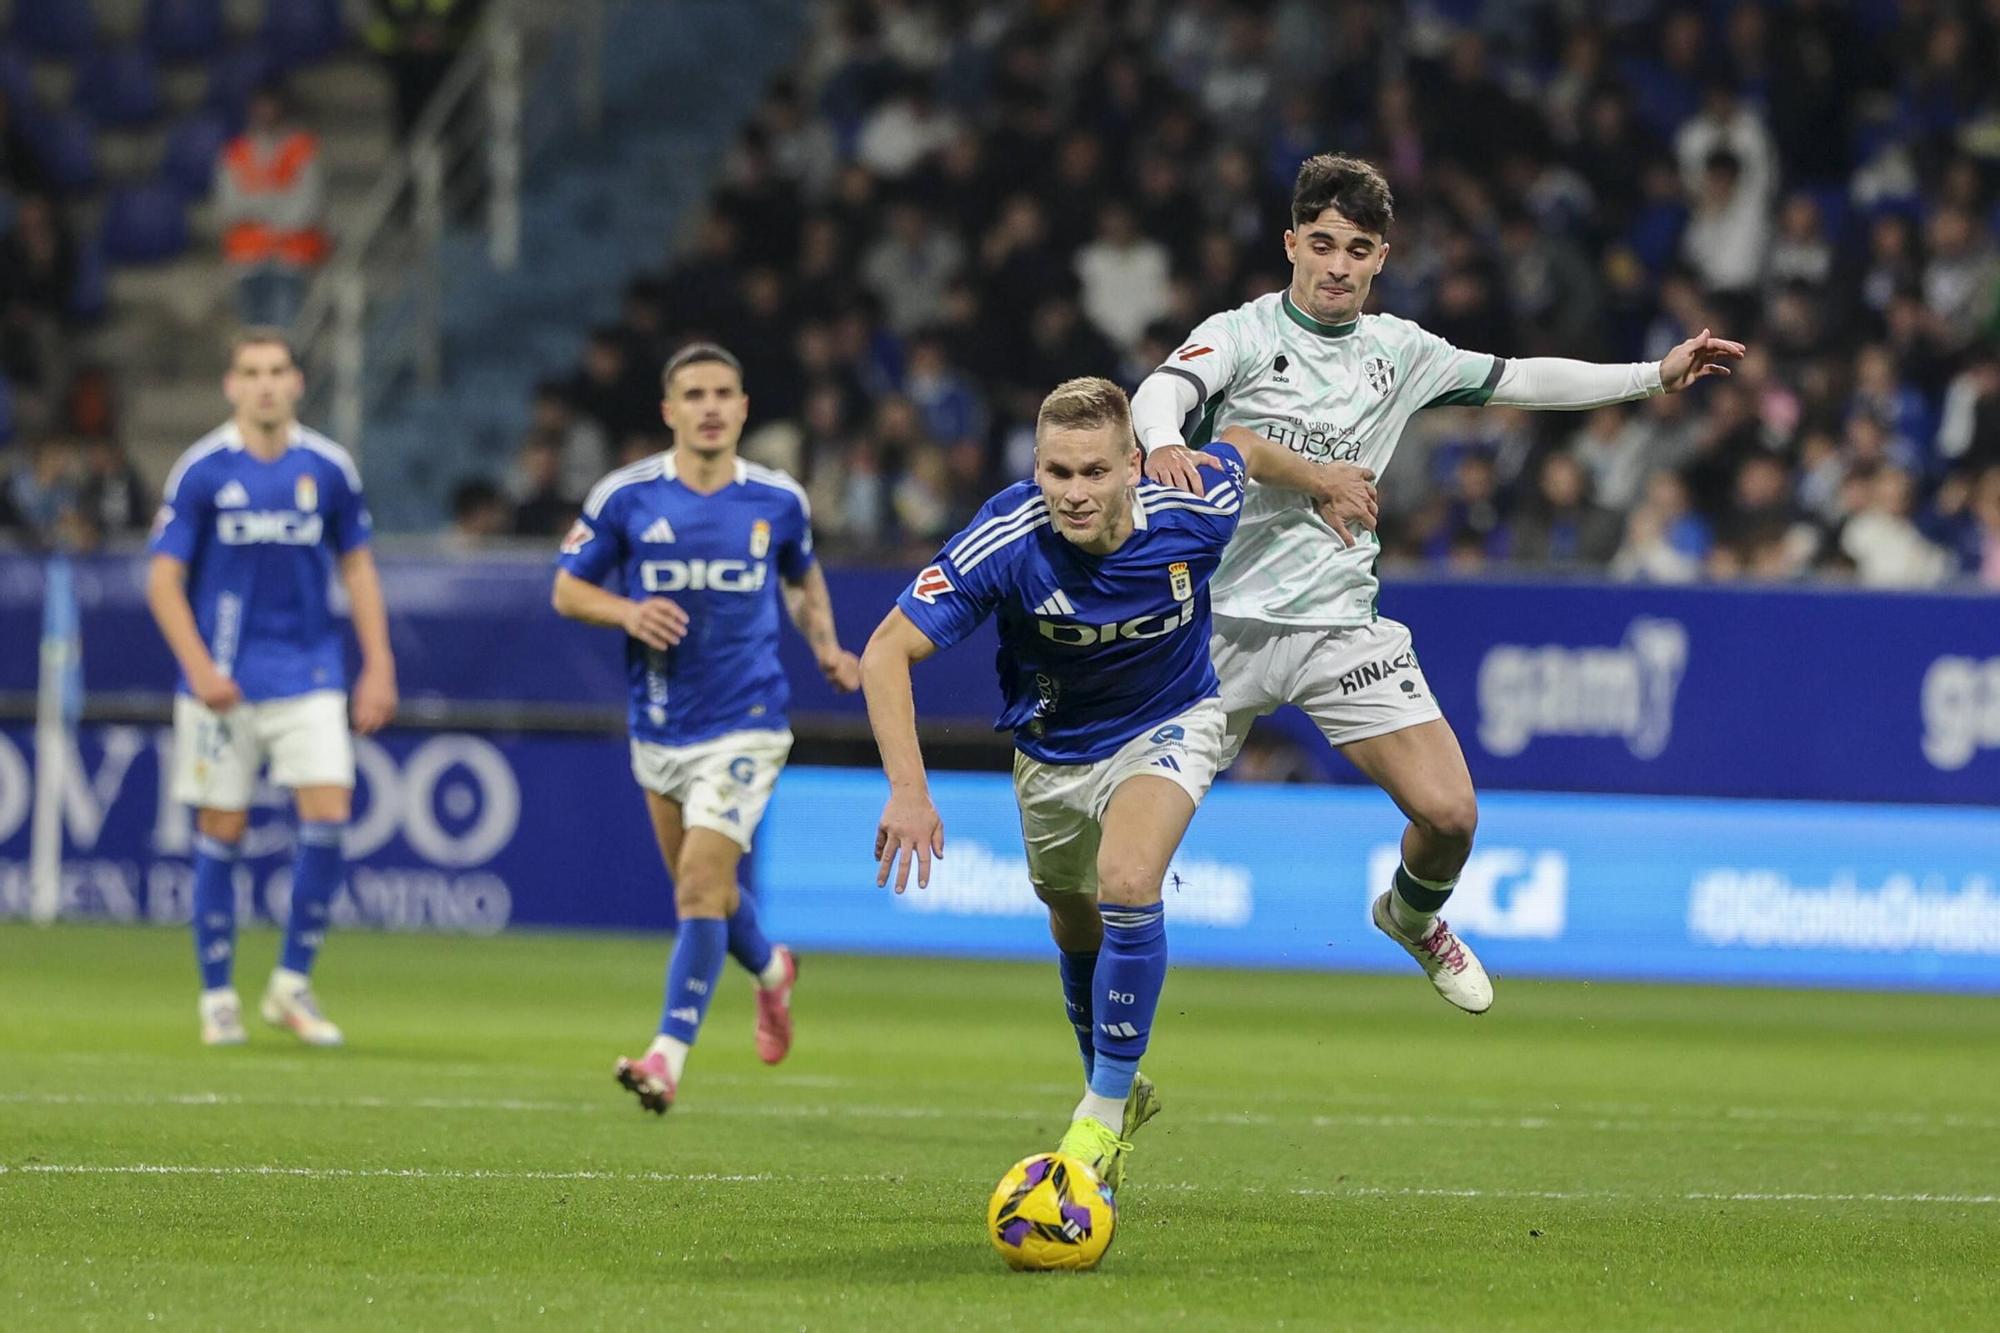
x=702, y=896
x=222, y=825
x=1453, y=818
x=1127, y=883
x=325, y=805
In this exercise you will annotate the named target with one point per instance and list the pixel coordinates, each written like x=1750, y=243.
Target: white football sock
x=1105, y=1110
x=1408, y=919
x=773, y=974
x=676, y=1052
x=288, y=982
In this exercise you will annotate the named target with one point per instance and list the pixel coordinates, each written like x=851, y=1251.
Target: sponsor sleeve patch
x=577, y=538
x=931, y=584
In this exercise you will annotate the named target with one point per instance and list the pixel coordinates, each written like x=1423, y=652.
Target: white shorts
x=1062, y=805
x=217, y=755
x=1353, y=682
x=721, y=784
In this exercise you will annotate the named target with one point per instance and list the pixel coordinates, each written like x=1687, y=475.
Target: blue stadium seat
x=299, y=32
x=61, y=28
x=120, y=87
x=144, y=224
x=184, y=29
x=188, y=161
x=91, y=295
x=67, y=147
x=232, y=77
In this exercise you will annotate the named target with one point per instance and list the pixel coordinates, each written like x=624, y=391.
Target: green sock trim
x=1418, y=895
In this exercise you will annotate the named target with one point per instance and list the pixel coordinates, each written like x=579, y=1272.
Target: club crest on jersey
x=1180, y=580
x=931, y=584
x=577, y=537
x=1381, y=374
x=305, y=495
x=760, y=539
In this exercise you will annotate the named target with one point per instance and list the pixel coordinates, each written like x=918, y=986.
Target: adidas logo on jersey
x=232, y=496
x=1057, y=605
x=659, y=530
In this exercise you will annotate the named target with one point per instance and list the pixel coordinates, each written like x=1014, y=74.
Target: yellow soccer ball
x=1051, y=1211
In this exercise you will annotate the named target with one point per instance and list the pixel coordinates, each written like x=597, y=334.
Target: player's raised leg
x=1423, y=771
x=1142, y=825
x=773, y=966
x=704, y=894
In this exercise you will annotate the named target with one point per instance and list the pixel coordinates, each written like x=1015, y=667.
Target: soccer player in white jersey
x=257, y=518
x=693, y=536
x=1295, y=618
x=1098, y=580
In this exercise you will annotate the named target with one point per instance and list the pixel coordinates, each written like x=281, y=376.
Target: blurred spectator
x=909, y=269
x=1969, y=432
x=614, y=392
x=1124, y=277
x=583, y=446
x=20, y=170
x=418, y=40
x=270, y=202
x=1985, y=508
x=540, y=507
x=1615, y=453
x=1763, y=532
x=110, y=493
x=1886, y=547
x=1561, y=524
x=904, y=131
x=40, y=491
x=478, y=516
x=1727, y=233
x=1961, y=279
x=1665, y=540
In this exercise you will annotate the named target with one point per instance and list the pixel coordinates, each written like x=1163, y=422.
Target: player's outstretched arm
x=657, y=622
x=166, y=597
x=375, y=688
x=1558, y=384
x=810, y=605
x=910, y=830
x=1342, y=492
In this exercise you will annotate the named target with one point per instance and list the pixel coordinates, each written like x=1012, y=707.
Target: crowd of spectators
x=948, y=207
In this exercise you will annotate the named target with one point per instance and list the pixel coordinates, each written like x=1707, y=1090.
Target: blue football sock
x=1079, y=977
x=747, y=944
x=700, y=946
x=317, y=868
x=1131, y=972
x=214, y=909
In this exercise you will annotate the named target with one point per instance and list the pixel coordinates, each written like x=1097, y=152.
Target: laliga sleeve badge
x=577, y=538
x=931, y=584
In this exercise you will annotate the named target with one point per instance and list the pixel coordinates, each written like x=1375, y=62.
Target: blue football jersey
x=1094, y=649
x=260, y=539
x=715, y=555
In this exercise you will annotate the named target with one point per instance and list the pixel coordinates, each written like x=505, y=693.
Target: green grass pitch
x=1335, y=1151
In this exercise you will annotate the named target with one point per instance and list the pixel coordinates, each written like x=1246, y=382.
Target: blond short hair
x=1086, y=403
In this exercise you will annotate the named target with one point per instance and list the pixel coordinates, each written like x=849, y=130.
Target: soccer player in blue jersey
x=1099, y=580
x=257, y=518
x=696, y=535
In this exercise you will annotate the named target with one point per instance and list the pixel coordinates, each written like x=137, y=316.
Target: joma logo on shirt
x=279, y=527
x=1138, y=627
x=701, y=576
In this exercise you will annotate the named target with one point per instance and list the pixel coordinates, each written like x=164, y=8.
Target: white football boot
x=289, y=1004
x=221, y=1018
x=1451, y=966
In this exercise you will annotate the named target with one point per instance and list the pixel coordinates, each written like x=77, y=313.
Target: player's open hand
x=1178, y=466
x=842, y=670
x=657, y=622
x=216, y=690
x=1697, y=358
x=375, y=700
x=1344, y=496
x=910, y=831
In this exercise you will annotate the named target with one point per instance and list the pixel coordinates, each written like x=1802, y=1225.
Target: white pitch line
x=762, y=1178
x=1635, y=1120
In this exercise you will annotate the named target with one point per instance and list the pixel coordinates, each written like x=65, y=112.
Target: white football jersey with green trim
x=1332, y=393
